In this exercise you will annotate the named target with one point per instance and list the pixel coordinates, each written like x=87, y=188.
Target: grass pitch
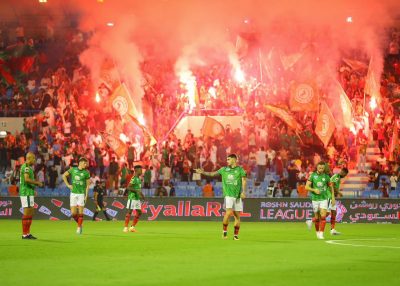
x=193, y=253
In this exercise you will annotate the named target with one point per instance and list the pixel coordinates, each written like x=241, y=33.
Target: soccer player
x=335, y=181
x=319, y=185
x=134, y=196
x=98, y=193
x=27, y=192
x=80, y=180
x=234, y=191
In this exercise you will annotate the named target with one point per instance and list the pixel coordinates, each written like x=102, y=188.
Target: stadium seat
x=375, y=194
x=366, y=194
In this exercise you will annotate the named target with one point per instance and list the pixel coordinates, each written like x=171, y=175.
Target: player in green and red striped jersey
x=335, y=180
x=134, y=196
x=80, y=179
x=234, y=191
x=27, y=193
x=319, y=185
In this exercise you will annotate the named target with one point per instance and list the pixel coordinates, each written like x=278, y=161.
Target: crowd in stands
x=63, y=126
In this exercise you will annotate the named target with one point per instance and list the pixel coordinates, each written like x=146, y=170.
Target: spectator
x=166, y=173
x=147, y=178
x=131, y=155
x=161, y=191
x=53, y=176
x=384, y=188
x=261, y=161
x=393, y=181
x=3, y=157
x=172, y=192
x=381, y=160
x=362, y=141
x=208, y=191
x=293, y=173
x=113, y=173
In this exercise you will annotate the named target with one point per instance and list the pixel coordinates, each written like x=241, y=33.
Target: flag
x=355, y=65
x=109, y=75
x=394, y=142
x=122, y=102
x=5, y=73
x=124, y=105
x=285, y=116
x=242, y=46
x=115, y=144
x=304, y=97
x=21, y=58
x=212, y=128
x=290, y=60
x=345, y=108
x=372, y=83
x=325, y=124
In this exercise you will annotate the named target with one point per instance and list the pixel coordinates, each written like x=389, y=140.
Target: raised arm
x=210, y=174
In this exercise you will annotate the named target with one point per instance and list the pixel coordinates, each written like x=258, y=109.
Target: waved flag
x=242, y=46
x=122, y=102
x=325, y=124
x=109, y=75
x=115, y=143
x=289, y=61
x=124, y=105
x=394, y=142
x=372, y=82
x=212, y=128
x=285, y=116
x=355, y=65
x=304, y=97
x=345, y=110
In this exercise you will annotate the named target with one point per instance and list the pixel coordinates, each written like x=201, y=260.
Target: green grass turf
x=193, y=253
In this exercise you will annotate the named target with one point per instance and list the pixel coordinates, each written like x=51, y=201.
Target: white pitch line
x=341, y=242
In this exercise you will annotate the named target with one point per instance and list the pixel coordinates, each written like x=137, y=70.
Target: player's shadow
x=52, y=241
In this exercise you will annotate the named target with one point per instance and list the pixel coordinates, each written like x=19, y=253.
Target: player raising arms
x=80, y=178
x=27, y=192
x=335, y=181
x=319, y=185
x=134, y=196
x=234, y=191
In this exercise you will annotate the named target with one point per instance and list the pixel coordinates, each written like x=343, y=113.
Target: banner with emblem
x=116, y=144
x=304, y=97
x=213, y=128
x=122, y=102
x=325, y=124
x=285, y=115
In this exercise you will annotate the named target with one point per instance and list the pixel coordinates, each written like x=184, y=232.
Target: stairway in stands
x=354, y=184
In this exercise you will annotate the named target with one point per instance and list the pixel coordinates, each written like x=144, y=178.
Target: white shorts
x=330, y=207
x=233, y=203
x=77, y=200
x=133, y=205
x=317, y=205
x=27, y=201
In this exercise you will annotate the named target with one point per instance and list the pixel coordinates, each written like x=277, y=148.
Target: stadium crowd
x=61, y=125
